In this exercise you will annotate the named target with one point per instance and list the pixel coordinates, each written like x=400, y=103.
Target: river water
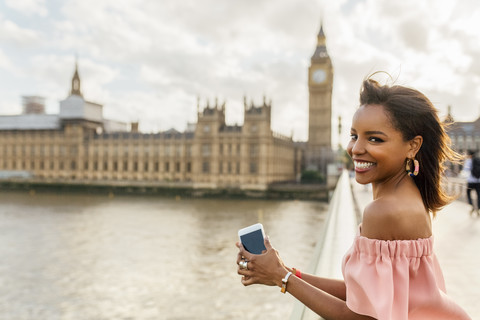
x=72, y=256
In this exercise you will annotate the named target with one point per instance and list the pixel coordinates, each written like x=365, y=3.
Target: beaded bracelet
x=297, y=273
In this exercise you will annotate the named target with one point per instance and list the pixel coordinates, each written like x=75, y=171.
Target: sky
x=152, y=61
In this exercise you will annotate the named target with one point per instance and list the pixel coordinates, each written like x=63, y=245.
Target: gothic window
x=206, y=150
x=206, y=167
x=254, y=150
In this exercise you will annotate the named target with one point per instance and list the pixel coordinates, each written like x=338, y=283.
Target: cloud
x=11, y=33
x=28, y=7
x=413, y=32
x=4, y=61
x=152, y=59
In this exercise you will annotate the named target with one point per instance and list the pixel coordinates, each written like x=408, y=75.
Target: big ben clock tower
x=320, y=84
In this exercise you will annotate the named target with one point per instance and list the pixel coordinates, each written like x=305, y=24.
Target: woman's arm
x=335, y=287
x=320, y=302
x=323, y=296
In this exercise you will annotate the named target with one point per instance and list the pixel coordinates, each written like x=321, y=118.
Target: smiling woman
x=376, y=147
x=391, y=271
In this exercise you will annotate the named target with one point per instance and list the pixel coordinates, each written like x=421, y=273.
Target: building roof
x=30, y=122
x=464, y=128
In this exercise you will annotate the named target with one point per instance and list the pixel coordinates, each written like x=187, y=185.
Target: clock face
x=319, y=76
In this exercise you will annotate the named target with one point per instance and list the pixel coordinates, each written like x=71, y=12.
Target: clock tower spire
x=321, y=50
x=320, y=85
x=76, y=82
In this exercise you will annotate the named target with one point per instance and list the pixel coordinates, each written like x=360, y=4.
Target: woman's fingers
x=244, y=253
x=267, y=243
x=246, y=276
x=239, y=257
x=247, y=264
x=246, y=281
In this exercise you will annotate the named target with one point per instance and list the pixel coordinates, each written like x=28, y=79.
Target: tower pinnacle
x=321, y=50
x=76, y=82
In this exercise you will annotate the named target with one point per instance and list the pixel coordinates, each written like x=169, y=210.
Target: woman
x=399, y=146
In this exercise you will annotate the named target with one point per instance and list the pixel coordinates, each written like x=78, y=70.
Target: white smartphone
x=252, y=238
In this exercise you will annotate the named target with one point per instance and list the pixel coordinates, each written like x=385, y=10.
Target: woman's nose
x=357, y=147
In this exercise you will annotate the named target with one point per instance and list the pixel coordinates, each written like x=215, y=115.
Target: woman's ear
x=415, y=145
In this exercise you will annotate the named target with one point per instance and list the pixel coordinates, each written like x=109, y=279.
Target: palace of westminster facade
x=79, y=145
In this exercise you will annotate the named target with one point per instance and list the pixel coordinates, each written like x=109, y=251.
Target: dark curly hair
x=412, y=113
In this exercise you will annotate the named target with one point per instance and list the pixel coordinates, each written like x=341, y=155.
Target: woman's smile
x=362, y=166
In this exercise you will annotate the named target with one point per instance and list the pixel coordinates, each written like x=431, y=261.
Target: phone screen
x=253, y=242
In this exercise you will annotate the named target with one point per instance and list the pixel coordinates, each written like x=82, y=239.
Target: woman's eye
x=353, y=137
x=375, y=139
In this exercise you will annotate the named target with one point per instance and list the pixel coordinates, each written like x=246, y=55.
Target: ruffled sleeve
x=397, y=280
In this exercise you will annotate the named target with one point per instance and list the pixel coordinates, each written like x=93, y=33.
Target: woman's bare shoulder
x=390, y=219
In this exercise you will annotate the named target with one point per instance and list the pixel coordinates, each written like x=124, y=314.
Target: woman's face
x=378, y=150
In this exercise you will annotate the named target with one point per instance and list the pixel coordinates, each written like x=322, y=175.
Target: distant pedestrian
x=472, y=168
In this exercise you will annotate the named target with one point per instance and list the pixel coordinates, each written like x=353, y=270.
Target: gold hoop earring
x=407, y=166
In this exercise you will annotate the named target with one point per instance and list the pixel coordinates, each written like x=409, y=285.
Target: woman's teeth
x=363, y=165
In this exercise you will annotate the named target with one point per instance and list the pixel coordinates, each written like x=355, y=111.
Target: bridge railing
x=334, y=240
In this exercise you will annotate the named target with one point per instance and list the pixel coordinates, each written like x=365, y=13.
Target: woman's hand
x=266, y=268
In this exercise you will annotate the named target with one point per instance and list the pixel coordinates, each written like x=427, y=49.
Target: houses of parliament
x=78, y=144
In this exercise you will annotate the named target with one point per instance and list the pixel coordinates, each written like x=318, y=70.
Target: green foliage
x=347, y=161
x=312, y=176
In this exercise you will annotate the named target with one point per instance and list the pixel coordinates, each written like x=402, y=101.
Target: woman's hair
x=412, y=113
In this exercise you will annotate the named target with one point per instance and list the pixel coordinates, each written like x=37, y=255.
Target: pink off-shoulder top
x=397, y=280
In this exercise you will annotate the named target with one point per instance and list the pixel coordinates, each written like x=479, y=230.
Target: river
x=77, y=256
